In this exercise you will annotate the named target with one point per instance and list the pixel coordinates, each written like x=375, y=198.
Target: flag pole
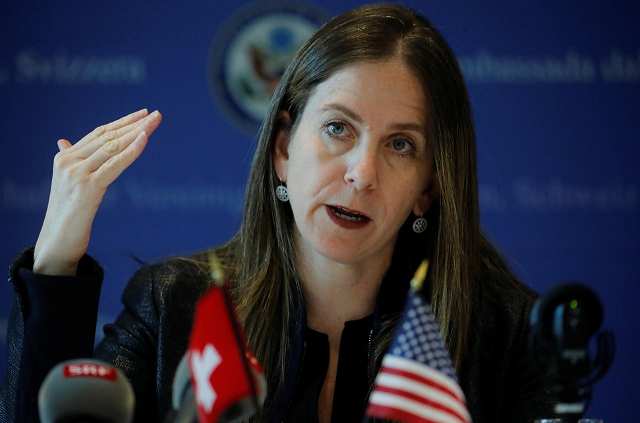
x=421, y=274
x=219, y=279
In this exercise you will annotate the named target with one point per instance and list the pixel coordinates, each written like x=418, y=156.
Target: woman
x=369, y=130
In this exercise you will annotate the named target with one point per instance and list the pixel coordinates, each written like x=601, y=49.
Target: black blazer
x=53, y=318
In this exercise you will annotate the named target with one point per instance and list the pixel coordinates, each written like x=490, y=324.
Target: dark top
x=53, y=318
x=352, y=377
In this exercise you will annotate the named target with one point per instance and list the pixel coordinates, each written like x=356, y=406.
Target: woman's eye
x=401, y=145
x=336, y=128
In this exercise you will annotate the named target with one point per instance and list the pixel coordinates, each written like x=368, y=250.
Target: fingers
x=63, y=145
x=116, y=164
x=109, y=150
x=115, y=125
x=149, y=124
x=123, y=121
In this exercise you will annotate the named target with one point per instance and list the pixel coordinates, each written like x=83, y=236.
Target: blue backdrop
x=554, y=89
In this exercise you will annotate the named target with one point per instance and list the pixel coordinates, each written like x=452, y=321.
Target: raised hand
x=81, y=175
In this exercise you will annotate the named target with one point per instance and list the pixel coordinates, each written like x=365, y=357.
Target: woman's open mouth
x=348, y=219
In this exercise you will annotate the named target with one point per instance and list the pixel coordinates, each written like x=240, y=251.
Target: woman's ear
x=281, y=146
x=429, y=195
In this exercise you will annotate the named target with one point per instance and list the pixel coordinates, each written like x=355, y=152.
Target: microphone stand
x=573, y=403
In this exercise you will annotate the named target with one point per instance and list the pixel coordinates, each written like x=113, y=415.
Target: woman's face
x=359, y=162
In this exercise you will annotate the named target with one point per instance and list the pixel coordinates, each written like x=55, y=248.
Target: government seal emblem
x=250, y=53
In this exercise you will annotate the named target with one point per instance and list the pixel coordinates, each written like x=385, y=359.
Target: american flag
x=417, y=382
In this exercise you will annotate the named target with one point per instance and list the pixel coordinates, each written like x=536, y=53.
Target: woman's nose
x=362, y=167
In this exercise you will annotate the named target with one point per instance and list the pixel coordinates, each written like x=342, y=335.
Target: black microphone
x=83, y=391
x=563, y=321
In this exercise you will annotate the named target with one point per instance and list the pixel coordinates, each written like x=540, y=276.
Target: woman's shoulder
x=172, y=269
x=501, y=310
x=497, y=354
x=499, y=294
x=168, y=283
x=499, y=370
x=505, y=301
x=499, y=328
x=510, y=291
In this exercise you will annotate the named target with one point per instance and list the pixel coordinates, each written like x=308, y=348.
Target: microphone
x=85, y=390
x=563, y=320
x=183, y=403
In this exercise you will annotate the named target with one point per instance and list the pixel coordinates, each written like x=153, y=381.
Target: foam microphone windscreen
x=181, y=382
x=228, y=384
x=86, y=390
x=183, y=404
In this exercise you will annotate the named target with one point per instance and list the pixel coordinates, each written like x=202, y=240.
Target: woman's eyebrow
x=341, y=108
x=408, y=126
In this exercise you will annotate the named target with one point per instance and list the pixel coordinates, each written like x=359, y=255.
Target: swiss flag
x=223, y=371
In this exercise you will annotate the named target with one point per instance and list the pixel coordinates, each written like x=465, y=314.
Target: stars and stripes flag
x=417, y=381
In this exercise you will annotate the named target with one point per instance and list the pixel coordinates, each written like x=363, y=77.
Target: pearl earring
x=282, y=193
x=420, y=225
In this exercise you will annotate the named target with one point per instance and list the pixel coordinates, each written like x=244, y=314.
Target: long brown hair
x=261, y=257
